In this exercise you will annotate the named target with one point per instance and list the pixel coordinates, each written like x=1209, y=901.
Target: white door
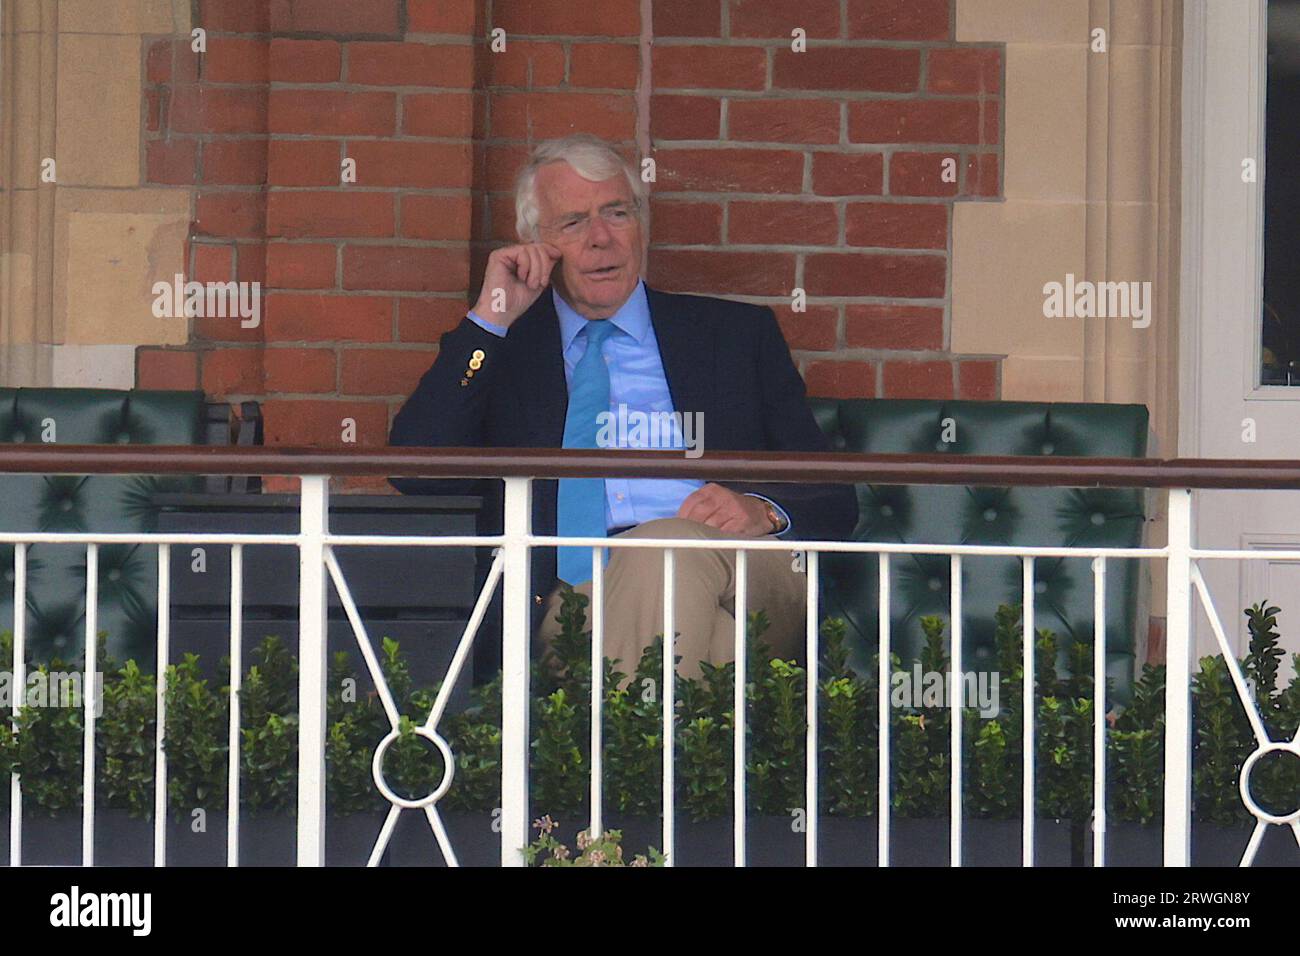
x=1240, y=380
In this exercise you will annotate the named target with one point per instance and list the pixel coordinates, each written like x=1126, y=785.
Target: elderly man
x=565, y=335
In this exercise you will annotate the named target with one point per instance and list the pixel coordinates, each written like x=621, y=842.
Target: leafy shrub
x=125, y=742
x=197, y=739
x=46, y=747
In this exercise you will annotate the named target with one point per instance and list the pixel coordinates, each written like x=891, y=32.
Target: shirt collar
x=633, y=317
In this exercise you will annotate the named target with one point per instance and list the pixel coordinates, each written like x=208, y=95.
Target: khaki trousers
x=705, y=604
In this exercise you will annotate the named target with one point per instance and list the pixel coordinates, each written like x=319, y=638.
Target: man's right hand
x=515, y=278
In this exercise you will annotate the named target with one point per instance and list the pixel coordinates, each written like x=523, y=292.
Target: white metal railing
x=318, y=567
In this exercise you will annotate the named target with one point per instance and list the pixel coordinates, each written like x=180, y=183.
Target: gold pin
x=476, y=363
x=479, y=354
x=469, y=374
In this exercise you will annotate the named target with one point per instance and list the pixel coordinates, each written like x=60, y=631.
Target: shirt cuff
x=779, y=510
x=497, y=330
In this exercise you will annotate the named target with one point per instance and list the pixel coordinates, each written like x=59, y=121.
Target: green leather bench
x=1004, y=516
x=128, y=575
x=937, y=514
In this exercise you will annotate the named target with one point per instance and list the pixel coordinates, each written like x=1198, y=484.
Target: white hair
x=591, y=158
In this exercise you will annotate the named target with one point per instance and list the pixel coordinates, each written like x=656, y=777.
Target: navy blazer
x=725, y=359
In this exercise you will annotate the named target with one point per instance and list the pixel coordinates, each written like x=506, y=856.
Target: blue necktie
x=582, y=500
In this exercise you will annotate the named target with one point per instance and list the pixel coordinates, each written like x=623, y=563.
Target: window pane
x=1281, y=323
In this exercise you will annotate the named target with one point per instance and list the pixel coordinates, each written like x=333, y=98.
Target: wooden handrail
x=835, y=467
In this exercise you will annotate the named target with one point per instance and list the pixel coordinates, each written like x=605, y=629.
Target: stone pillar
x=1092, y=189
x=79, y=253
x=28, y=73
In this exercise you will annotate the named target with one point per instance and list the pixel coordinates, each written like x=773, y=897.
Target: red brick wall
x=821, y=170
x=567, y=68
x=775, y=170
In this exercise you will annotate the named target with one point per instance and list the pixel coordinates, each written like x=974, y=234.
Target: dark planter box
x=121, y=840
x=771, y=841
x=984, y=843
x=56, y=840
x=850, y=841
x=472, y=838
x=1134, y=844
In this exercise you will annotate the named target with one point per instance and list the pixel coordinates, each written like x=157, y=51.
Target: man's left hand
x=727, y=510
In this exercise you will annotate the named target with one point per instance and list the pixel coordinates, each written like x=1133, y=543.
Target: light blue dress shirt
x=638, y=394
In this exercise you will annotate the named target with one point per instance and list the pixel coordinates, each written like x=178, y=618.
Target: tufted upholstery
x=1027, y=516
x=56, y=574
x=1012, y=516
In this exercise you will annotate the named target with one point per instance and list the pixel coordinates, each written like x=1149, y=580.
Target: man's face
x=596, y=227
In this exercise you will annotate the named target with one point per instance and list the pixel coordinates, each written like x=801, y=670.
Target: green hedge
x=46, y=746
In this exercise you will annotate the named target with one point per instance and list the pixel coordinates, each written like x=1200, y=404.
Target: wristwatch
x=778, y=523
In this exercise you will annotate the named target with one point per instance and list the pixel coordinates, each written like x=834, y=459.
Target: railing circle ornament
x=1290, y=747
x=448, y=772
